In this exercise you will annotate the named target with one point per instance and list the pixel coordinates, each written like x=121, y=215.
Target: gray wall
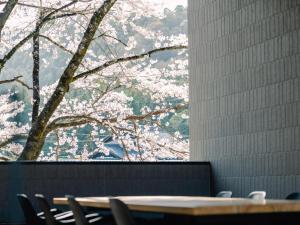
x=245, y=93
x=98, y=179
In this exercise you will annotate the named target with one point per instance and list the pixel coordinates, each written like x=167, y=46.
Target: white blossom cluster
x=8, y=127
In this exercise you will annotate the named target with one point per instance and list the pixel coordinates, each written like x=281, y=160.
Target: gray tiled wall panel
x=245, y=93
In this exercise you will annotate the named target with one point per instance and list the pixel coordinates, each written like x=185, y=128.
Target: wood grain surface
x=195, y=206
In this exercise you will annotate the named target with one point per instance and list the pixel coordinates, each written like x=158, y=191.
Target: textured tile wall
x=245, y=93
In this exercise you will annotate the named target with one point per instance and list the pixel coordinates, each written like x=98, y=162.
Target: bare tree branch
x=126, y=59
x=152, y=113
x=108, y=89
x=2, y=158
x=48, y=17
x=10, y=80
x=16, y=79
x=171, y=149
x=71, y=121
x=12, y=139
x=57, y=44
x=116, y=39
x=23, y=84
x=61, y=47
x=62, y=16
x=87, y=10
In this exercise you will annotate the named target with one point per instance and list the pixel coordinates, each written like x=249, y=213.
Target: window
x=94, y=86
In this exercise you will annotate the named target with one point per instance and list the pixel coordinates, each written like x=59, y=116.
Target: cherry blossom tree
x=102, y=64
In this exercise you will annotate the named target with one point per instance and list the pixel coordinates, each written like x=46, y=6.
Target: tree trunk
x=37, y=134
x=35, y=77
x=35, y=142
x=10, y=5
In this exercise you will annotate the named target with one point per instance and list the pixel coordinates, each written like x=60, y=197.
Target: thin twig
x=126, y=59
x=16, y=79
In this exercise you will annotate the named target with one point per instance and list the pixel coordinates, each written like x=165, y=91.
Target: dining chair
x=224, y=194
x=293, y=196
x=28, y=207
x=79, y=215
x=257, y=195
x=31, y=217
x=121, y=212
x=49, y=216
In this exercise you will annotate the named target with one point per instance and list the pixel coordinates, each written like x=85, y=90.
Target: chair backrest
x=257, y=195
x=224, y=194
x=77, y=211
x=28, y=210
x=293, y=196
x=121, y=212
x=45, y=207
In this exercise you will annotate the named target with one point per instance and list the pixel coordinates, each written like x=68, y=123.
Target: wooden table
x=193, y=206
